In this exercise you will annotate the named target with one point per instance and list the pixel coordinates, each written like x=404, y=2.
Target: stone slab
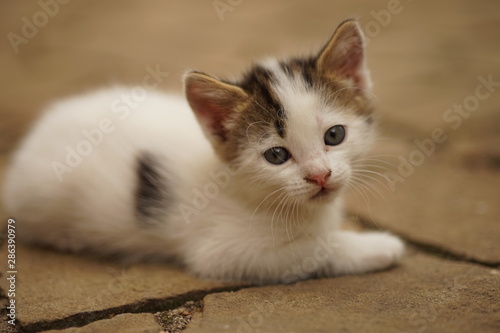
x=123, y=323
x=450, y=201
x=424, y=294
x=53, y=285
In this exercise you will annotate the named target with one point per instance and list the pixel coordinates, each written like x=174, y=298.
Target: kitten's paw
x=366, y=252
x=381, y=250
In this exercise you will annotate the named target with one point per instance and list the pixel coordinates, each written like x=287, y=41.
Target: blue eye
x=335, y=135
x=277, y=155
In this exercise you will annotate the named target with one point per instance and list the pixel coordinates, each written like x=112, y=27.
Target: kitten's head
x=294, y=126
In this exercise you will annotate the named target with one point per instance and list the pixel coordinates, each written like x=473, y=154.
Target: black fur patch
x=280, y=123
x=308, y=72
x=258, y=83
x=300, y=67
x=151, y=195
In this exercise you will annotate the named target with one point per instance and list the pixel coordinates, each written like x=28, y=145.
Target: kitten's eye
x=277, y=155
x=335, y=135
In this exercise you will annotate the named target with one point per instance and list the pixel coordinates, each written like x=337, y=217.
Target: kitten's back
x=80, y=163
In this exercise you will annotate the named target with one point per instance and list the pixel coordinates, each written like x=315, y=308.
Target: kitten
x=259, y=201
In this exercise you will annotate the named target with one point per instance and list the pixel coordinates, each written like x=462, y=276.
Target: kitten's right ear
x=215, y=103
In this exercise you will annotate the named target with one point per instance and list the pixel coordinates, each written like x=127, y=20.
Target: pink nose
x=319, y=178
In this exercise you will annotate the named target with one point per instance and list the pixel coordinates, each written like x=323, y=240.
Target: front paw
x=382, y=250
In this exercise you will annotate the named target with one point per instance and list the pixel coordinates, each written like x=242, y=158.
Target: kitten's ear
x=214, y=102
x=344, y=55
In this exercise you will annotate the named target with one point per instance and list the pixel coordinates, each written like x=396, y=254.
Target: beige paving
x=52, y=286
x=451, y=200
x=427, y=59
x=424, y=294
x=126, y=323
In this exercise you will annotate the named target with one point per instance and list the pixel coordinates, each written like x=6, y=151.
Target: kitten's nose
x=319, y=178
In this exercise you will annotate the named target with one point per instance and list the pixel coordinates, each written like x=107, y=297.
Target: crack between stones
x=430, y=249
x=171, y=303
x=145, y=306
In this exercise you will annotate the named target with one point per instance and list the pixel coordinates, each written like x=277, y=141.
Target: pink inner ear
x=214, y=117
x=345, y=55
x=210, y=107
x=351, y=60
x=352, y=64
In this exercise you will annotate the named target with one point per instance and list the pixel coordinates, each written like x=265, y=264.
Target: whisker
x=375, y=158
x=370, y=187
x=273, y=234
x=384, y=184
x=263, y=200
x=360, y=186
x=273, y=115
x=250, y=125
x=374, y=166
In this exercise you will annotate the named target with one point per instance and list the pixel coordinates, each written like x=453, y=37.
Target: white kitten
x=260, y=201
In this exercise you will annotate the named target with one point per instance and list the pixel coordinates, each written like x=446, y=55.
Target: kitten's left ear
x=344, y=55
x=215, y=104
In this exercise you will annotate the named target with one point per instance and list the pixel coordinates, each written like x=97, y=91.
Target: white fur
x=256, y=222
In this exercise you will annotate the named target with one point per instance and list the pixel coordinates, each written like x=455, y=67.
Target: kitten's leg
x=338, y=253
x=363, y=252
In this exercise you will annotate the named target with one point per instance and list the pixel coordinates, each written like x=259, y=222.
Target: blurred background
x=427, y=60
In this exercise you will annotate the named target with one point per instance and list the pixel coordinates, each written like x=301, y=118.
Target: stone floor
x=439, y=168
